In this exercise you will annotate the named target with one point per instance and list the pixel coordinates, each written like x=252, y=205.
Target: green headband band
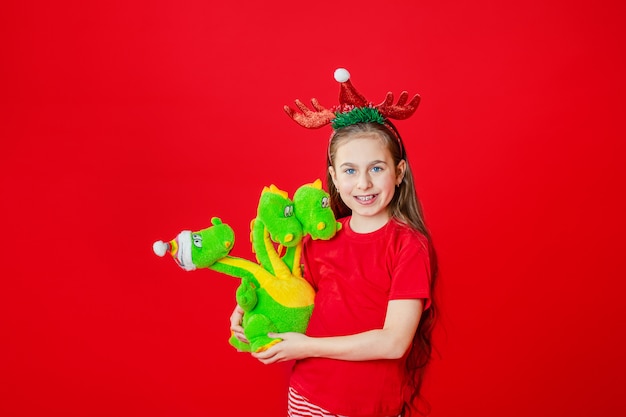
x=357, y=115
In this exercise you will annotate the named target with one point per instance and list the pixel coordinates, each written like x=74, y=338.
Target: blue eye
x=377, y=169
x=350, y=171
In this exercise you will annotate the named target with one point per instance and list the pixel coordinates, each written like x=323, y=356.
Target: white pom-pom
x=160, y=248
x=342, y=75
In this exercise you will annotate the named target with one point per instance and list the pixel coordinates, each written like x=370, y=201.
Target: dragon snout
x=288, y=237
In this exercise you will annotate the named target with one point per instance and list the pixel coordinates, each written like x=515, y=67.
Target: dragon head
x=276, y=211
x=200, y=249
x=313, y=211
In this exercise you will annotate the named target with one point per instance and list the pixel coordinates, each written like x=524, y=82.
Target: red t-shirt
x=355, y=275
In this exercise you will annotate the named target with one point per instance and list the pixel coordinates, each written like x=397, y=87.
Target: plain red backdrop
x=122, y=123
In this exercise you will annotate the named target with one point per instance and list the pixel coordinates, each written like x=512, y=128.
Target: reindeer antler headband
x=353, y=108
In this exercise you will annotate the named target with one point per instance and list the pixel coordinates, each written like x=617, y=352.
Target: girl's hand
x=293, y=346
x=235, y=324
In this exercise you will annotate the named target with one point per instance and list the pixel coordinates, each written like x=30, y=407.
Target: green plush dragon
x=273, y=294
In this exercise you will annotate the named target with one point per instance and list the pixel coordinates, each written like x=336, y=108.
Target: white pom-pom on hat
x=160, y=248
x=341, y=75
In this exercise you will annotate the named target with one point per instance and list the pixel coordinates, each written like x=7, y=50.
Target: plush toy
x=273, y=294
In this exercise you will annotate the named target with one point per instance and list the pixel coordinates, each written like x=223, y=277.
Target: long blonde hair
x=405, y=208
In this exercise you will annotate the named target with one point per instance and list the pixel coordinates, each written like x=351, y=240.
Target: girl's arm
x=390, y=342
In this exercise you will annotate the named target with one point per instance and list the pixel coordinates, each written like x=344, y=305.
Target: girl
x=369, y=338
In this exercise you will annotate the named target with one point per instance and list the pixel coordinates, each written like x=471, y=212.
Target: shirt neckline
x=363, y=237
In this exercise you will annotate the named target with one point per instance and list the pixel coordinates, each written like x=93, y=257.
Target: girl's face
x=365, y=176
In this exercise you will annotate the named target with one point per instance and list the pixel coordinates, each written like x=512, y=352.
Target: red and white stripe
x=298, y=406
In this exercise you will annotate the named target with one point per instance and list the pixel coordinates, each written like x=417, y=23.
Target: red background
x=125, y=122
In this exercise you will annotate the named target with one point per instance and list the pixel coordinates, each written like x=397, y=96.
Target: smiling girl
x=369, y=337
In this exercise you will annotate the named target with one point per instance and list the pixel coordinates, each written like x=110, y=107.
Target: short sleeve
x=307, y=271
x=410, y=268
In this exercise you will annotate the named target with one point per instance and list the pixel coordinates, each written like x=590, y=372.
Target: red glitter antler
x=308, y=118
x=400, y=110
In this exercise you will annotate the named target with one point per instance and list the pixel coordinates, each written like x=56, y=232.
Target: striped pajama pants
x=298, y=406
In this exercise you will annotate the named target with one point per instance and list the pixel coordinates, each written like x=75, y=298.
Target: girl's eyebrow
x=375, y=162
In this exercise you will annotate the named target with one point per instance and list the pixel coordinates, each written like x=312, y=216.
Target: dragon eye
x=325, y=202
x=288, y=211
x=197, y=240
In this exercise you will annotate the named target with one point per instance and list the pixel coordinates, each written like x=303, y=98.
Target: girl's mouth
x=365, y=199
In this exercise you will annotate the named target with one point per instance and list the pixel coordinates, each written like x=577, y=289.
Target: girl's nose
x=364, y=182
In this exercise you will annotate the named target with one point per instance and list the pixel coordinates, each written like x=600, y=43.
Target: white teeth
x=365, y=197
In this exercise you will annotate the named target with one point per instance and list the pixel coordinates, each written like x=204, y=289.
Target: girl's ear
x=333, y=175
x=400, y=171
